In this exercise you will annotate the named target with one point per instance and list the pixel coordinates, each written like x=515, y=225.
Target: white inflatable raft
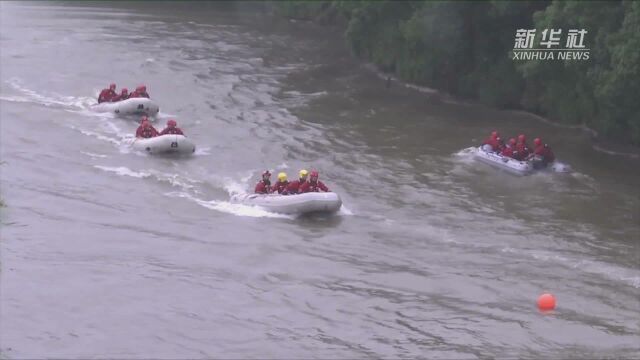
x=503, y=162
x=516, y=166
x=177, y=144
x=312, y=202
x=129, y=107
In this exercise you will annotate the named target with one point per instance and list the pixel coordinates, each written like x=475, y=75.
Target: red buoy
x=546, y=302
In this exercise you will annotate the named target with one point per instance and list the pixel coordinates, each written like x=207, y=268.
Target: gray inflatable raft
x=129, y=107
x=505, y=163
x=514, y=166
x=177, y=144
x=313, y=202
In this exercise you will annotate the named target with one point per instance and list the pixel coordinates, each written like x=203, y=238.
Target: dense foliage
x=464, y=48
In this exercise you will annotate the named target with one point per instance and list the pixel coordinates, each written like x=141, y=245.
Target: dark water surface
x=108, y=253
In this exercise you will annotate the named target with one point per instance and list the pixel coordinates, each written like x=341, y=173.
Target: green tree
x=463, y=47
x=565, y=90
x=618, y=85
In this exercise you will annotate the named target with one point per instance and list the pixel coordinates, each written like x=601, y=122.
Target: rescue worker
x=124, y=95
x=264, y=185
x=493, y=141
x=171, y=128
x=107, y=95
x=501, y=145
x=141, y=91
x=509, y=150
x=281, y=185
x=145, y=130
x=542, y=154
x=294, y=186
x=313, y=185
x=522, y=150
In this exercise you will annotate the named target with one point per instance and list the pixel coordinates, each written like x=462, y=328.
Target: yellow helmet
x=303, y=173
x=282, y=176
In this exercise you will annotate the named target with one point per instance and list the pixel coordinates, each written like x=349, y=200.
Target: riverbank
x=464, y=48
x=606, y=145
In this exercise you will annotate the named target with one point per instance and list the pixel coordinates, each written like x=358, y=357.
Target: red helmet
x=144, y=119
x=521, y=138
x=125, y=90
x=266, y=173
x=314, y=174
x=172, y=123
x=112, y=86
x=512, y=141
x=494, y=134
x=537, y=141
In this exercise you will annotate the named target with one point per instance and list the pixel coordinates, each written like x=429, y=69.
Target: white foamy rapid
x=229, y=207
x=202, y=151
x=465, y=155
x=345, y=211
x=177, y=180
x=189, y=191
x=94, y=155
x=54, y=100
x=123, y=171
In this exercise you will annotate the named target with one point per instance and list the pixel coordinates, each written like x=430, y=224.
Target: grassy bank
x=465, y=48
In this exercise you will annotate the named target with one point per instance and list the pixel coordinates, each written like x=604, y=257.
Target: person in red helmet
x=294, y=186
x=509, y=150
x=124, y=95
x=500, y=144
x=522, y=149
x=494, y=141
x=264, y=185
x=542, y=154
x=171, y=128
x=313, y=185
x=145, y=130
x=141, y=91
x=107, y=95
x=143, y=119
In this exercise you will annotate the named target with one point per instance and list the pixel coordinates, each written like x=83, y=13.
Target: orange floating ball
x=546, y=302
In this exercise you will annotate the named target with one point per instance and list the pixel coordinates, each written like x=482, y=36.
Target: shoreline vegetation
x=464, y=49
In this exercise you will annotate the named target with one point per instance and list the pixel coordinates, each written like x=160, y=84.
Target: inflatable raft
x=313, y=202
x=503, y=162
x=129, y=107
x=176, y=144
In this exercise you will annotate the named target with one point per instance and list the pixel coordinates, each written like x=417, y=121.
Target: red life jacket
x=294, y=186
x=106, y=95
x=263, y=187
x=172, y=131
x=507, y=151
x=545, y=152
x=138, y=94
x=148, y=132
x=522, y=151
x=120, y=97
x=495, y=143
x=310, y=186
x=280, y=187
